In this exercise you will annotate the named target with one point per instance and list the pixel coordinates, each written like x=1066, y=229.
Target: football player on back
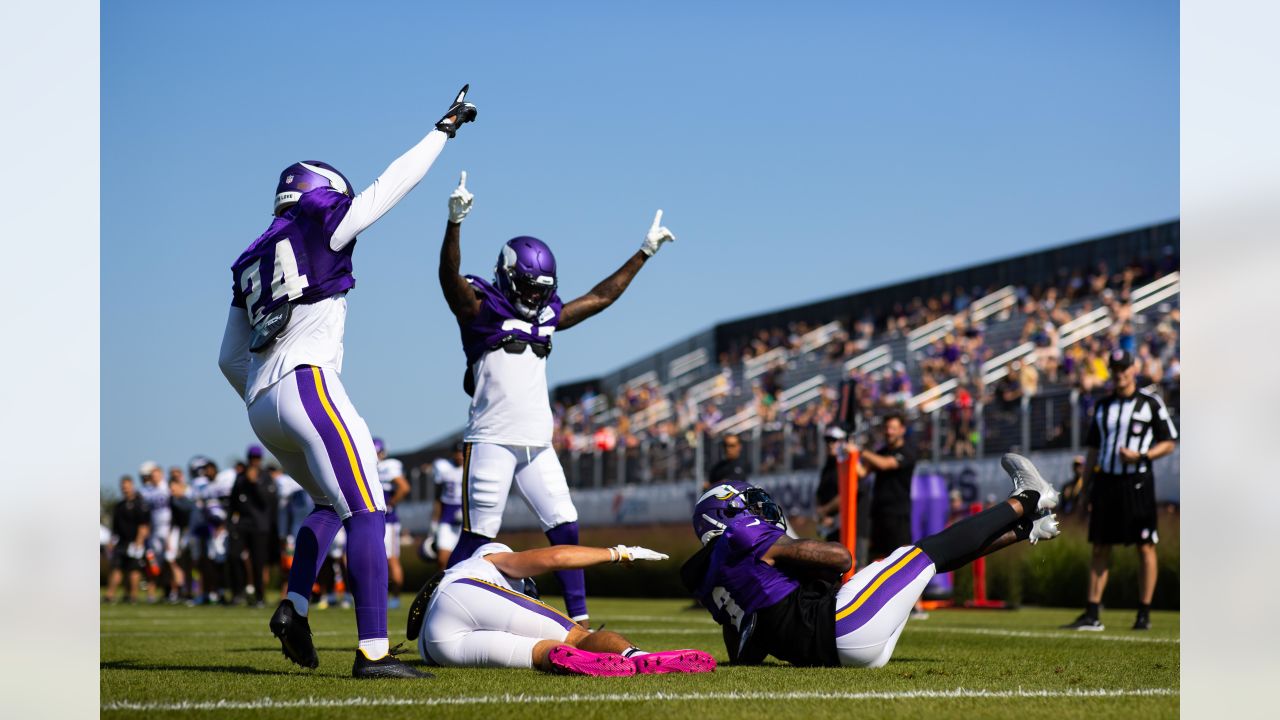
x=506, y=327
x=282, y=351
x=394, y=488
x=776, y=596
x=481, y=613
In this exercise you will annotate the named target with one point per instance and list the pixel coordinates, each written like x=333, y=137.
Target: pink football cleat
x=572, y=661
x=674, y=661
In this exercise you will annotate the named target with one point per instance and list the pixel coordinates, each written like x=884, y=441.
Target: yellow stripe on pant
x=346, y=440
x=466, y=490
x=870, y=589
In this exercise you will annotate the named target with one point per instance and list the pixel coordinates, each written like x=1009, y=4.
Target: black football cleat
x=459, y=114
x=388, y=666
x=418, y=608
x=1142, y=622
x=294, y=633
x=1085, y=622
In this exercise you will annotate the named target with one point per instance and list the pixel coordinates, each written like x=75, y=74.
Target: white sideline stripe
x=272, y=704
x=715, y=630
x=1064, y=635
x=173, y=633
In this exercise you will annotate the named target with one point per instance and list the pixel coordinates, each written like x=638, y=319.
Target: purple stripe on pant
x=892, y=585
x=329, y=435
x=523, y=601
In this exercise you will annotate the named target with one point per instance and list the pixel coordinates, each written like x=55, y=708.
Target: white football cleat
x=1026, y=477
x=1044, y=528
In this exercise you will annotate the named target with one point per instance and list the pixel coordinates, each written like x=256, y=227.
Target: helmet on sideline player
x=379, y=447
x=724, y=504
x=305, y=176
x=526, y=275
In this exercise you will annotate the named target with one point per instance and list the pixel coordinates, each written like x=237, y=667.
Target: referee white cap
x=835, y=432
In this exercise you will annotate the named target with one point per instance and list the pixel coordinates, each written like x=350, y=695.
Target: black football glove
x=460, y=113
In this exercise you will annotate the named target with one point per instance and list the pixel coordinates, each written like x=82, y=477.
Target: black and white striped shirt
x=1136, y=422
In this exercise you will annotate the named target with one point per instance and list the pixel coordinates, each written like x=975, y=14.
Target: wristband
x=614, y=555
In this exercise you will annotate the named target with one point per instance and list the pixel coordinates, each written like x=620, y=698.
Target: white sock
x=633, y=651
x=300, y=604
x=376, y=648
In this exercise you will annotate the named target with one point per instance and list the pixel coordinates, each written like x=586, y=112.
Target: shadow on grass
x=406, y=657
x=153, y=667
x=276, y=650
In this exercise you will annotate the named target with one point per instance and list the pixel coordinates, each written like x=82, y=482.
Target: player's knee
x=576, y=636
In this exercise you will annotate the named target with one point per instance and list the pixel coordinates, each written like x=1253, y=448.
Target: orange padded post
x=848, y=474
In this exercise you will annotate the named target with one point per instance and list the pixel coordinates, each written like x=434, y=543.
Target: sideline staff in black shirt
x=893, y=464
x=731, y=468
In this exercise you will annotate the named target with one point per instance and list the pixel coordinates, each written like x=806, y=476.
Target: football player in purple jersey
x=282, y=352
x=777, y=596
x=506, y=327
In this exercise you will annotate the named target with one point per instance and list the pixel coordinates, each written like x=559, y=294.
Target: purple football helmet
x=378, y=446
x=526, y=274
x=301, y=177
x=724, y=504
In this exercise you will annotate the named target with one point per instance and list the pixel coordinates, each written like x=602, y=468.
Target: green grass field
x=222, y=662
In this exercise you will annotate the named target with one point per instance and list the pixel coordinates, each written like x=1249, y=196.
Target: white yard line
x=1063, y=635
x=224, y=634
x=307, y=703
x=703, y=629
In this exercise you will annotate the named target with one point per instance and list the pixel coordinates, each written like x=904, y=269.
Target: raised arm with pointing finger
x=507, y=325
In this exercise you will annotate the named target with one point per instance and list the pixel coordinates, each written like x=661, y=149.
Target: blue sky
x=799, y=152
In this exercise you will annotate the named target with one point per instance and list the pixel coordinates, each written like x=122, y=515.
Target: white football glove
x=460, y=201
x=656, y=236
x=628, y=554
x=1044, y=528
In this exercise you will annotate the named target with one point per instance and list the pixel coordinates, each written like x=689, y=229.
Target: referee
x=1130, y=428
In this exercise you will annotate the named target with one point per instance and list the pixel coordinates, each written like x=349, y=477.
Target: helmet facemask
x=528, y=292
x=720, y=506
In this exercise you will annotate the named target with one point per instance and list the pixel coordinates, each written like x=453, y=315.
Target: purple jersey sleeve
x=293, y=261
x=324, y=207
x=751, y=540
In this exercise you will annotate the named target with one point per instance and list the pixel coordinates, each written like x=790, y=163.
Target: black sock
x=1091, y=609
x=1144, y=611
x=1029, y=499
x=957, y=544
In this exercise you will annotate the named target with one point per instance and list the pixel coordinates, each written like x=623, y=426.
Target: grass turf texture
x=222, y=662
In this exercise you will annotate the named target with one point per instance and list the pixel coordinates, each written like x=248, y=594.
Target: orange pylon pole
x=848, y=476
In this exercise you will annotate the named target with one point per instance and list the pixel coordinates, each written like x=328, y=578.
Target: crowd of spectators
x=648, y=413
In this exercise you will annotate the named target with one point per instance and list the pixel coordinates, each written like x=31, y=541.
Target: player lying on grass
x=782, y=597
x=506, y=326
x=484, y=612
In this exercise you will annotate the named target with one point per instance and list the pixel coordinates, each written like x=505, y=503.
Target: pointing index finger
x=657, y=219
x=462, y=183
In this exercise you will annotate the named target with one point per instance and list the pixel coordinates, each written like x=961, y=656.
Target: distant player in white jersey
x=155, y=493
x=484, y=612
x=448, y=512
x=282, y=352
x=506, y=327
x=395, y=488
